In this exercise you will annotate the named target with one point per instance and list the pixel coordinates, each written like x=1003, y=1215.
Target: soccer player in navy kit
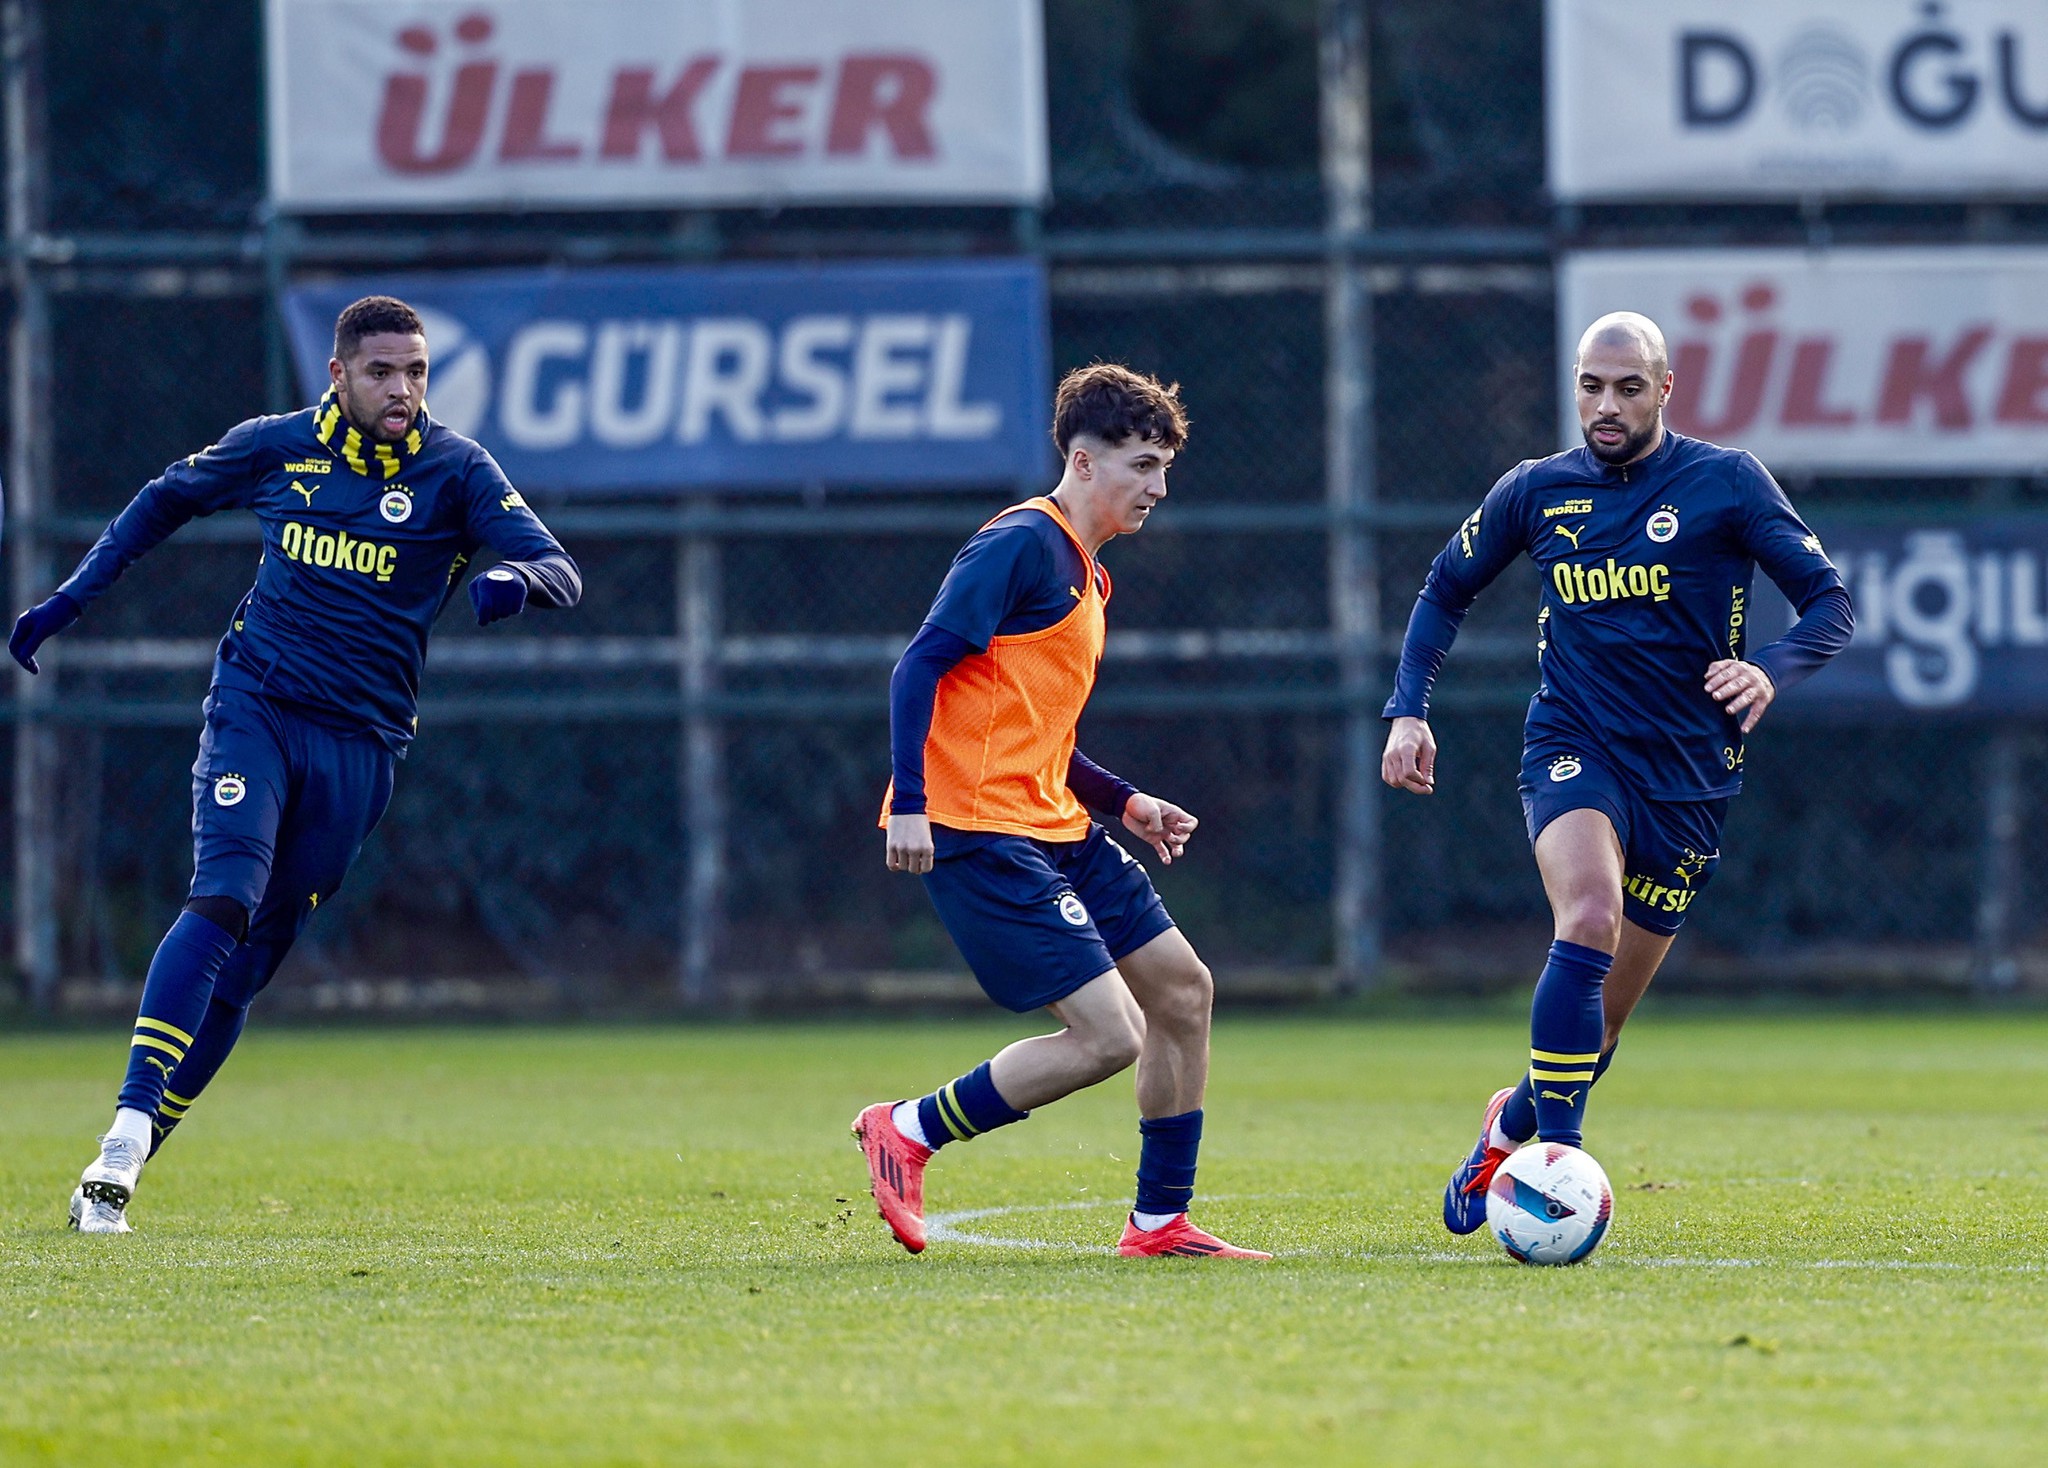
x=1647, y=541
x=370, y=511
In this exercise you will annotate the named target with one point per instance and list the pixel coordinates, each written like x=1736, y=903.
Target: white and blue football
x=1549, y=1204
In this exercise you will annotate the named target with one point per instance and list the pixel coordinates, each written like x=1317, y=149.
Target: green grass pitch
x=652, y=1246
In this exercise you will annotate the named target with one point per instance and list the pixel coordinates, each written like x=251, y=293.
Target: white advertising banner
x=1776, y=99
x=568, y=104
x=1858, y=361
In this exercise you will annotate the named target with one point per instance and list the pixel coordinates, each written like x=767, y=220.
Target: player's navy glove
x=497, y=594
x=39, y=624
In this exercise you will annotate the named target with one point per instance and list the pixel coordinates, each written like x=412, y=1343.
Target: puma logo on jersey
x=308, y=493
x=1569, y=1099
x=1571, y=535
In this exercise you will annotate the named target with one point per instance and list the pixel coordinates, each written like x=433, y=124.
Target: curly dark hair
x=369, y=316
x=1112, y=403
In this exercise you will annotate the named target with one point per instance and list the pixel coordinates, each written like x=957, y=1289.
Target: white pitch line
x=945, y=1228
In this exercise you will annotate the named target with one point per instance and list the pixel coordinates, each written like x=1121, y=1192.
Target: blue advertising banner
x=1950, y=618
x=728, y=377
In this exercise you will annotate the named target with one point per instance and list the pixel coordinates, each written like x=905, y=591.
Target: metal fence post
x=29, y=502
x=1353, y=562
x=1995, y=969
x=699, y=624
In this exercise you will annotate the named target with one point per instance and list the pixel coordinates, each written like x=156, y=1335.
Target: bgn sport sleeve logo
x=339, y=550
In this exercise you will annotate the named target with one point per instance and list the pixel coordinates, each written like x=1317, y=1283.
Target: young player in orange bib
x=989, y=803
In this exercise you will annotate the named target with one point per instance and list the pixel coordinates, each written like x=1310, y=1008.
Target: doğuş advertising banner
x=1776, y=99
x=1949, y=619
x=1866, y=361
x=728, y=377
x=487, y=104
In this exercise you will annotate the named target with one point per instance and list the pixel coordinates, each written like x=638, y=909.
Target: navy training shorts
x=1036, y=920
x=281, y=804
x=1669, y=848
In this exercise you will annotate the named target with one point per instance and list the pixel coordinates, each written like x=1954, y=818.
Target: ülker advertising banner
x=495, y=104
x=1856, y=361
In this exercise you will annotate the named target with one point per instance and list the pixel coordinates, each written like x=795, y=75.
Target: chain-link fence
x=541, y=835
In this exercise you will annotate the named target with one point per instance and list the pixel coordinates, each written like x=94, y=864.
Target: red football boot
x=896, y=1168
x=1179, y=1238
x=1465, y=1195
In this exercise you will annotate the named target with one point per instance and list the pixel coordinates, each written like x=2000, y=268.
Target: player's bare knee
x=1183, y=1003
x=1591, y=922
x=1113, y=1045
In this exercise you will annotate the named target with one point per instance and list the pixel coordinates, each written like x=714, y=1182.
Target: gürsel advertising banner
x=1859, y=361
x=491, y=104
x=1775, y=99
x=728, y=377
x=1950, y=618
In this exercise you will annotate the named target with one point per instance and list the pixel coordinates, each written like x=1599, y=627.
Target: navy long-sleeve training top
x=363, y=545
x=1646, y=580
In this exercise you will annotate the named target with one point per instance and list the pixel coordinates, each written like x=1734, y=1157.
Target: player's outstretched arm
x=913, y=690
x=1791, y=555
x=217, y=478
x=1479, y=550
x=535, y=568
x=38, y=625
x=1409, y=762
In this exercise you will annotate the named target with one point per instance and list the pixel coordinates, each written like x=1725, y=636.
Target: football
x=1549, y=1204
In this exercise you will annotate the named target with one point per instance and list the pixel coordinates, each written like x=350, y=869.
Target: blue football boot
x=1465, y=1195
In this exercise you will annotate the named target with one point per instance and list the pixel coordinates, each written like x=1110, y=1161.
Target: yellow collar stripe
x=327, y=418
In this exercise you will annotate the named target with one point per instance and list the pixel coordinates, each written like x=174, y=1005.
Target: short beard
x=1622, y=452
x=373, y=429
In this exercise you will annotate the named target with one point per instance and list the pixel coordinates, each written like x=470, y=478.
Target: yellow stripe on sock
x=1559, y=1057
x=1559, y=1075
x=949, y=1109
x=175, y=1113
x=155, y=1044
x=180, y=1100
x=146, y=1023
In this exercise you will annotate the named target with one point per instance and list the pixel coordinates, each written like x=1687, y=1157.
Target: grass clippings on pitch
x=652, y=1246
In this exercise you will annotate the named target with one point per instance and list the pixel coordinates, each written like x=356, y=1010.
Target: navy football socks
x=210, y=1045
x=1166, y=1162
x=965, y=1108
x=1518, y=1116
x=174, y=1001
x=1566, y=1025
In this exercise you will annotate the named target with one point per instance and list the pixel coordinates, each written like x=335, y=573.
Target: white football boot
x=97, y=1218
x=99, y=1205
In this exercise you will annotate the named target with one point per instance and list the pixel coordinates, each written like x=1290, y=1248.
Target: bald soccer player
x=989, y=801
x=1647, y=541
